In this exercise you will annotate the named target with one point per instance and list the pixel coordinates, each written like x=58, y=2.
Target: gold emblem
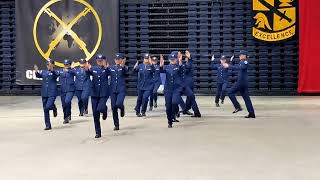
x=67, y=29
x=275, y=20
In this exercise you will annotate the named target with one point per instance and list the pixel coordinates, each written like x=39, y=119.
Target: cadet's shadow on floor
x=107, y=137
x=78, y=121
x=63, y=127
x=187, y=123
x=133, y=127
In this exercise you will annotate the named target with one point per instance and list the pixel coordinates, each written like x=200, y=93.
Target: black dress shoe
x=196, y=115
x=143, y=114
x=81, y=114
x=122, y=112
x=187, y=113
x=174, y=120
x=116, y=128
x=178, y=115
x=98, y=136
x=65, y=121
x=85, y=111
x=217, y=105
x=237, y=110
x=138, y=114
x=104, y=116
x=250, y=115
x=69, y=118
x=155, y=104
x=150, y=108
x=47, y=128
x=55, y=111
x=222, y=101
x=170, y=126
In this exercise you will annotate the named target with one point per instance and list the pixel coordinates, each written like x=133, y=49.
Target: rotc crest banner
x=274, y=20
x=63, y=29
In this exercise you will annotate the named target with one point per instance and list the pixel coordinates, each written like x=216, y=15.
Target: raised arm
x=135, y=67
x=189, y=61
x=162, y=69
x=38, y=73
x=214, y=65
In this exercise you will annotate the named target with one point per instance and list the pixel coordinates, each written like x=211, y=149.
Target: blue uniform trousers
x=66, y=99
x=98, y=106
x=117, y=100
x=154, y=95
x=245, y=95
x=83, y=98
x=172, y=100
x=221, y=91
x=142, y=100
x=190, y=101
x=48, y=104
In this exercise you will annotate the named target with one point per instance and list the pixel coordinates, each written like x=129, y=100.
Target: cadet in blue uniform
x=241, y=85
x=156, y=85
x=83, y=86
x=173, y=85
x=49, y=91
x=99, y=91
x=66, y=78
x=188, y=86
x=145, y=84
x=222, y=79
x=118, y=73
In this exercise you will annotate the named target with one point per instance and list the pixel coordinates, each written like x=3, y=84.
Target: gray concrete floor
x=281, y=144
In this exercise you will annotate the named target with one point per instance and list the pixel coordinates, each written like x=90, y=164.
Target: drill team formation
x=104, y=81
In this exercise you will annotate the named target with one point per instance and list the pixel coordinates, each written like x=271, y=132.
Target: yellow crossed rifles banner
x=274, y=20
x=63, y=29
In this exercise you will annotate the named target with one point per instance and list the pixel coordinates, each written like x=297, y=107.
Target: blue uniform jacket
x=145, y=76
x=67, y=80
x=222, y=73
x=100, y=86
x=242, y=68
x=174, y=77
x=83, y=81
x=49, y=83
x=156, y=74
x=118, y=78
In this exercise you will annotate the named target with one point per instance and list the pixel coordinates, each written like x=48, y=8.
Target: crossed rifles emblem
x=67, y=29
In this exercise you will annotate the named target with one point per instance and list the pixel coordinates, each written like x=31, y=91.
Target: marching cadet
x=99, y=91
x=241, y=85
x=118, y=73
x=66, y=78
x=173, y=85
x=222, y=78
x=156, y=84
x=145, y=84
x=188, y=86
x=49, y=91
x=83, y=86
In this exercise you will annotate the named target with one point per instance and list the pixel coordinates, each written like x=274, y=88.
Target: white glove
x=231, y=59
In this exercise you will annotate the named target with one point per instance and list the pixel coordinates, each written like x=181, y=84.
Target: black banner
x=63, y=29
